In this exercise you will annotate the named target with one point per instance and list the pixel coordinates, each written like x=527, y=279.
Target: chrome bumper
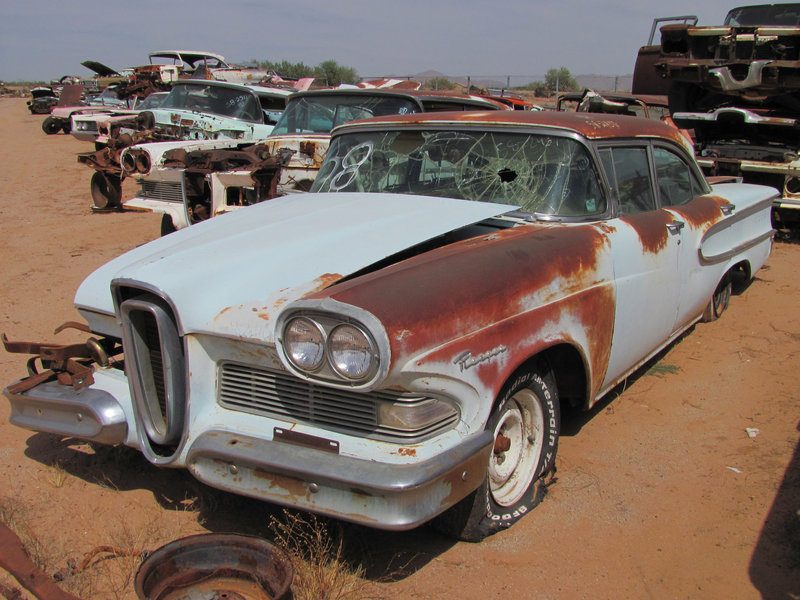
x=88, y=414
x=359, y=490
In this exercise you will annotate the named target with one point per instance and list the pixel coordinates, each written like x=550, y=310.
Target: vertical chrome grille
x=155, y=365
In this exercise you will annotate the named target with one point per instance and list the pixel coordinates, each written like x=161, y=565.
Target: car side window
x=628, y=171
x=677, y=184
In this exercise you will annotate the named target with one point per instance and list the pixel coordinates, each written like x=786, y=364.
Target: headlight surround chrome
x=350, y=351
x=350, y=355
x=305, y=344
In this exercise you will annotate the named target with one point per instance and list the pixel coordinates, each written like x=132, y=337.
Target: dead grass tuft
x=321, y=571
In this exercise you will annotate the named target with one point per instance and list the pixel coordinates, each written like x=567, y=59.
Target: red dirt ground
x=661, y=493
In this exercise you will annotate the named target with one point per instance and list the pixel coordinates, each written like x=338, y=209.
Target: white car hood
x=231, y=275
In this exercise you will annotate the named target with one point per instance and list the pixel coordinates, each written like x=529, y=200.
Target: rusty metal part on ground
x=15, y=560
x=216, y=565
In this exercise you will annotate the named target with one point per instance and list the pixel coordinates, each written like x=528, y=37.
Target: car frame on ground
x=397, y=348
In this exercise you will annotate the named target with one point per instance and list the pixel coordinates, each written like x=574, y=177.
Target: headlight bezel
x=366, y=324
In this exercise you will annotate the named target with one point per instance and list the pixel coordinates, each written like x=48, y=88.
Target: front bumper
x=375, y=494
x=394, y=496
x=89, y=414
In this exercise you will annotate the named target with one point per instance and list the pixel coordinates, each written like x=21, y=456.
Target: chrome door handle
x=675, y=226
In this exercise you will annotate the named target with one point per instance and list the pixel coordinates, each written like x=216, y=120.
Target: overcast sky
x=45, y=39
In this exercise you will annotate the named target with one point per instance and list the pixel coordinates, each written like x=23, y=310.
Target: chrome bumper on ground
x=359, y=490
x=89, y=414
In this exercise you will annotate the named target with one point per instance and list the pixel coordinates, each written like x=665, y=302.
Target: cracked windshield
x=541, y=174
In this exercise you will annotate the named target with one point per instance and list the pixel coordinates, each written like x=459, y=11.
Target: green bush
x=439, y=83
x=329, y=72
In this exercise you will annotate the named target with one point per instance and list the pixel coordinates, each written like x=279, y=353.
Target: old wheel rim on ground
x=517, y=449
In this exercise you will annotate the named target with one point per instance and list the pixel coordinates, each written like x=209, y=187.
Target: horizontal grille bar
x=280, y=395
x=169, y=191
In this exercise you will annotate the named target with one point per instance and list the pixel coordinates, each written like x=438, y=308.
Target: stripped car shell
x=220, y=112
x=759, y=148
x=752, y=59
x=397, y=351
x=302, y=134
x=97, y=127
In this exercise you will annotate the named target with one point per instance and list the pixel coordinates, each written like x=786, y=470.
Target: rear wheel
x=719, y=300
x=106, y=191
x=526, y=425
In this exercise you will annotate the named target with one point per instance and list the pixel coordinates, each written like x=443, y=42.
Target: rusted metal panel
x=14, y=559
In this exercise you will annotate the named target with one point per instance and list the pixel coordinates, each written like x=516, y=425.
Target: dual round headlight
x=315, y=347
x=135, y=160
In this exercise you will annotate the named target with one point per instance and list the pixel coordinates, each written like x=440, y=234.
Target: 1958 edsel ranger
x=396, y=349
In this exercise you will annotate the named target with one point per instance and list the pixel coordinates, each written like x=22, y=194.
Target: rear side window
x=628, y=171
x=677, y=184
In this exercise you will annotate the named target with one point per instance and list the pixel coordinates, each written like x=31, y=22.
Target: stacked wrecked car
x=737, y=87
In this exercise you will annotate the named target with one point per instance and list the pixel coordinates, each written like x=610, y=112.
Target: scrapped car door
x=645, y=243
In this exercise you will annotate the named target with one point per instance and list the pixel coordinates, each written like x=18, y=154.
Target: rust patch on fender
x=321, y=282
x=222, y=312
x=480, y=295
x=407, y=451
x=651, y=227
x=701, y=212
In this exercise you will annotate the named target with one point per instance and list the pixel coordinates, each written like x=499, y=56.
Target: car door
x=646, y=244
x=682, y=194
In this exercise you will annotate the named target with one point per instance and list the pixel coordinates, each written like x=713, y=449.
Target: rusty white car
x=396, y=348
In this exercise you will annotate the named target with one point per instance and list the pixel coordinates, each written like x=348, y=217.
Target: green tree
x=560, y=79
x=335, y=74
x=439, y=83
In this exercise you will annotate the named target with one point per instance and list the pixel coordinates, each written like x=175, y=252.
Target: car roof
x=257, y=89
x=190, y=56
x=420, y=95
x=589, y=125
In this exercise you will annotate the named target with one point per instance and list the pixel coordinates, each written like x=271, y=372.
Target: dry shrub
x=320, y=569
x=109, y=569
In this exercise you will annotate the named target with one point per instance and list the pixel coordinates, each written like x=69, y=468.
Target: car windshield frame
x=230, y=102
x=320, y=113
x=544, y=173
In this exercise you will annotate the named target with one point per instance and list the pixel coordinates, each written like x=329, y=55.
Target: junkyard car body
x=96, y=127
x=461, y=249
x=303, y=130
x=42, y=101
x=195, y=109
x=205, y=109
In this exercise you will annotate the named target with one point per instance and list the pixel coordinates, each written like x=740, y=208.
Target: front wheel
x=50, y=126
x=106, y=191
x=526, y=425
x=167, y=225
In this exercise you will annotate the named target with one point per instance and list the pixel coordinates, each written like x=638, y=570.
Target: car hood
x=194, y=119
x=232, y=274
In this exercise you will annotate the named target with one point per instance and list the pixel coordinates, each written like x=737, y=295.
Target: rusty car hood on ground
x=254, y=261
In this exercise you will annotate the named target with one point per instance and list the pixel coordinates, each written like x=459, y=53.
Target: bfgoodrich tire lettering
x=526, y=426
